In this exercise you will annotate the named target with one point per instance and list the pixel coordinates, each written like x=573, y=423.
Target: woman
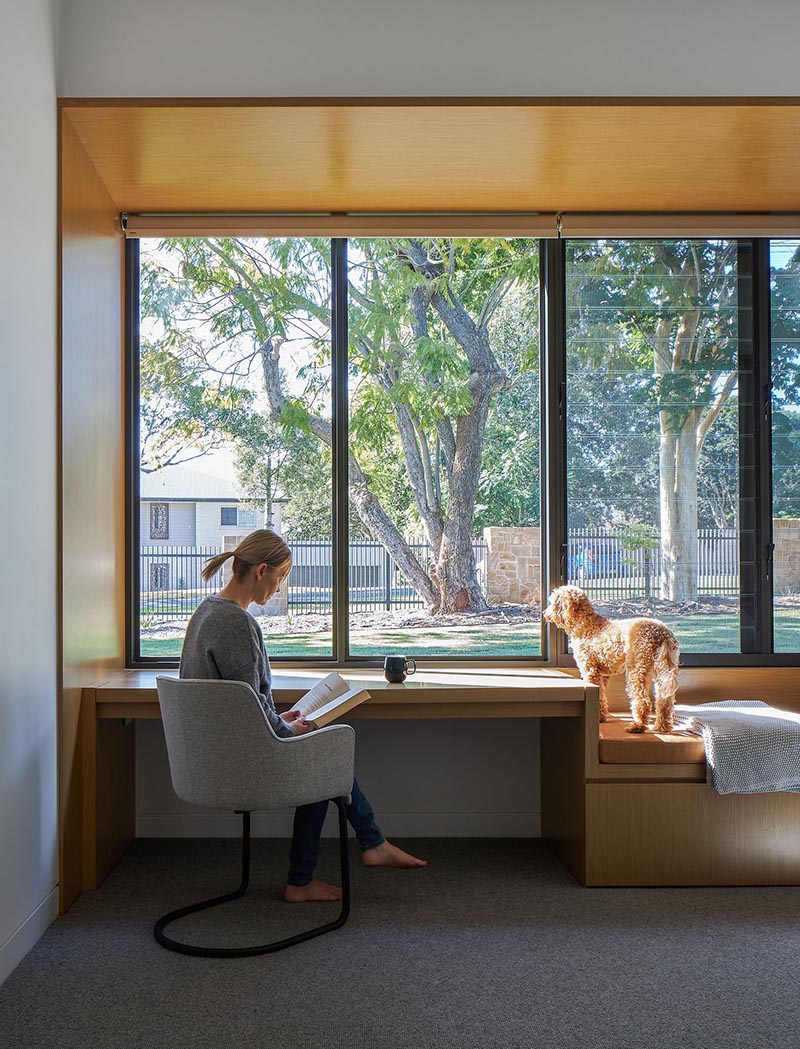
x=224, y=641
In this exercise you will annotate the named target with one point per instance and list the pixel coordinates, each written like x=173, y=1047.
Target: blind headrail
x=574, y=225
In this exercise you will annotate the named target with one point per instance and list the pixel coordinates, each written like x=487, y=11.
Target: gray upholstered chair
x=224, y=754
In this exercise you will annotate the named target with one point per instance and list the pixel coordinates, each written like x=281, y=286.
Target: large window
x=653, y=433
x=785, y=360
x=377, y=401
x=444, y=447
x=437, y=369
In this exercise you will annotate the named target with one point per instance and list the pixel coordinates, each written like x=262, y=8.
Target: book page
x=321, y=694
x=340, y=705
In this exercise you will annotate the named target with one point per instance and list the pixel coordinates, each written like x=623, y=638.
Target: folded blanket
x=751, y=748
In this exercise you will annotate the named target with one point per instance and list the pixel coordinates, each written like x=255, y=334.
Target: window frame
x=228, y=524
x=755, y=493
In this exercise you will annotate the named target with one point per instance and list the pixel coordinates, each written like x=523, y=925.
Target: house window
x=159, y=520
x=236, y=517
x=159, y=575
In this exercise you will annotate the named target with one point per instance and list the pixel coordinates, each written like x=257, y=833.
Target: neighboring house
x=181, y=507
x=184, y=516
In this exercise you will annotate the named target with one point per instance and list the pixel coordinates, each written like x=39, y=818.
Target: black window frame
x=755, y=491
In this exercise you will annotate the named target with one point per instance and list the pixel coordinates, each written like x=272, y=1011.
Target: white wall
x=429, y=47
x=28, y=645
x=434, y=778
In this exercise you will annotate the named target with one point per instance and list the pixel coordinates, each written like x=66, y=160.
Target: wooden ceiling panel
x=369, y=156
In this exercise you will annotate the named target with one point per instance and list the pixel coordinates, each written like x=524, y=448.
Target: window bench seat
x=620, y=747
x=625, y=809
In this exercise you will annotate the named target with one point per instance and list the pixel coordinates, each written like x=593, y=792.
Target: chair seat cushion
x=618, y=747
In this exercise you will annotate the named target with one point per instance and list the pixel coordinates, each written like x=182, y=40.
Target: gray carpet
x=494, y=944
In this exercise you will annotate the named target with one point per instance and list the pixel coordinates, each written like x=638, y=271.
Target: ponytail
x=213, y=566
x=261, y=547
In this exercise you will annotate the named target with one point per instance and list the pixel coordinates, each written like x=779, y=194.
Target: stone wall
x=513, y=565
x=786, y=559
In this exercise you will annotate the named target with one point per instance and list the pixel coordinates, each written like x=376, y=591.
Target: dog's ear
x=575, y=607
x=553, y=611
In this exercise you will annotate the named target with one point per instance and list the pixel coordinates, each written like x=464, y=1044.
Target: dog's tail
x=666, y=663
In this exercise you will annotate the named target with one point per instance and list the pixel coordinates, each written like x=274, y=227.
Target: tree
x=424, y=370
x=423, y=321
x=667, y=308
x=785, y=332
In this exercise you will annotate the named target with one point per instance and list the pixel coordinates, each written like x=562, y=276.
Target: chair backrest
x=218, y=742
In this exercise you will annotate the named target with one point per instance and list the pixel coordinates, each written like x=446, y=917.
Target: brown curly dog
x=645, y=649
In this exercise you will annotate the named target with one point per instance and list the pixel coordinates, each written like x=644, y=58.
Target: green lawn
x=450, y=641
x=710, y=633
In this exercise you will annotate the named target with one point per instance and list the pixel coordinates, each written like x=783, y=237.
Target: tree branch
x=366, y=503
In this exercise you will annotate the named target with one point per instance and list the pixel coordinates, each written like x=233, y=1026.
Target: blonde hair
x=261, y=547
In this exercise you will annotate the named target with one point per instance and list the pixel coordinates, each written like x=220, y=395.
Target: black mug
x=395, y=668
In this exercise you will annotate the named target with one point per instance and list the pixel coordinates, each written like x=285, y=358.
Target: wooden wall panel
x=687, y=834
x=444, y=155
x=91, y=475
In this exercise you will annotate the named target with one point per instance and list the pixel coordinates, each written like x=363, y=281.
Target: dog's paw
x=664, y=726
x=636, y=728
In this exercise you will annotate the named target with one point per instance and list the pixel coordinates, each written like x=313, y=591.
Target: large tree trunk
x=454, y=570
x=678, y=485
x=367, y=506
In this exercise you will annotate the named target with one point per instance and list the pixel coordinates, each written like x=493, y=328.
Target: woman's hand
x=299, y=724
x=290, y=716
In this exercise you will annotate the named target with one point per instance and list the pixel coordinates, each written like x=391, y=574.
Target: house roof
x=178, y=483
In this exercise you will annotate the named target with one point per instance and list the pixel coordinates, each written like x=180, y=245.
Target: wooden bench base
x=657, y=823
x=620, y=747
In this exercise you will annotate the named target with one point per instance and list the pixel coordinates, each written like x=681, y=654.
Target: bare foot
x=314, y=892
x=388, y=855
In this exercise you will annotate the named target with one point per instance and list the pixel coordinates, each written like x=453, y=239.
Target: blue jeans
x=308, y=820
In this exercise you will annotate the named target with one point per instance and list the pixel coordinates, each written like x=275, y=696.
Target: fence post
x=387, y=580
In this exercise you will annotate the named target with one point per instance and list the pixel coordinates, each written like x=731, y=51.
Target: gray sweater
x=223, y=641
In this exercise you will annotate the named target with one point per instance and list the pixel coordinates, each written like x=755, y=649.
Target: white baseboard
x=394, y=825
x=20, y=942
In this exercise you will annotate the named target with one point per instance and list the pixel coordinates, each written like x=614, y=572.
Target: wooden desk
x=508, y=693
x=110, y=705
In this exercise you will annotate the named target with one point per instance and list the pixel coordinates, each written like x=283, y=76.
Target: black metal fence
x=170, y=580
x=172, y=583
x=602, y=562
x=599, y=560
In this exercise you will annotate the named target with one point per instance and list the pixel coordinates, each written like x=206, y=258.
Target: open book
x=329, y=699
